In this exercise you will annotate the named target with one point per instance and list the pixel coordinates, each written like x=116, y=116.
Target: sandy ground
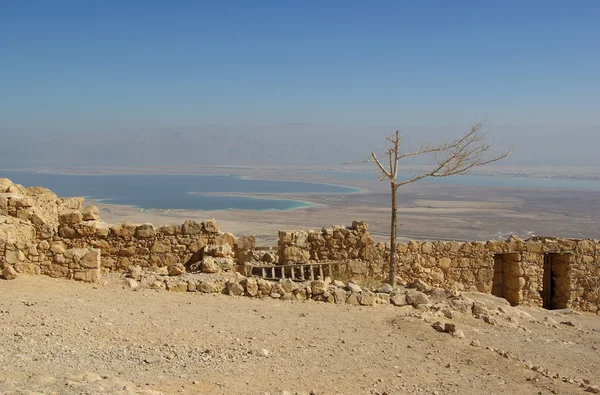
x=63, y=337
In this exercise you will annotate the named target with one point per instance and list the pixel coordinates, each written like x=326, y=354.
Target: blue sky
x=113, y=64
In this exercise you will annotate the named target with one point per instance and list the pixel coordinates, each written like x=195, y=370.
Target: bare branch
x=457, y=157
x=383, y=170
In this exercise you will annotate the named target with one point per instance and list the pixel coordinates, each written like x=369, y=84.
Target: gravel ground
x=64, y=337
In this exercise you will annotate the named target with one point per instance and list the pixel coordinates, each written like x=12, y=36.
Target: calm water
x=174, y=191
x=484, y=181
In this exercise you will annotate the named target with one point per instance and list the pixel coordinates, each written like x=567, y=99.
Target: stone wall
x=43, y=234
x=463, y=266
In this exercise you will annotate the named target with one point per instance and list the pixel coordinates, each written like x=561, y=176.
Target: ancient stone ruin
x=43, y=234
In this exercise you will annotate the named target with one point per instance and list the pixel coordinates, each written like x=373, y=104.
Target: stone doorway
x=506, y=283
x=556, y=282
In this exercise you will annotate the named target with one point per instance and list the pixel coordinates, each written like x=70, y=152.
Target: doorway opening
x=556, y=281
x=505, y=282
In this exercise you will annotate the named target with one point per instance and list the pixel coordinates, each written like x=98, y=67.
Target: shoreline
x=590, y=173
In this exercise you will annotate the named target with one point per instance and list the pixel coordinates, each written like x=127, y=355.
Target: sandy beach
x=426, y=211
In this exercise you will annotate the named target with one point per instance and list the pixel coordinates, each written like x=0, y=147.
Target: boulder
x=399, y=300
x=9, y=273
x=176, y=269
x=264, y=286
x=251, y=286
x=367, y=299
x=354, y=287
x=226, y=264
x=352, y=299
x=340, y=296
x=190, y=227
x=294, y=254
x=416, y=298
x=161, y=246
x=70, y=218
x=145, y=231
x=210, y=226
x=209, y=265
x=91, y=260
x=385, y=288
x=220, y=251
x=234, y=288
x=125, y=230
x=318, y=287
x=91, y=213
x=206, y=287
x=288, y=285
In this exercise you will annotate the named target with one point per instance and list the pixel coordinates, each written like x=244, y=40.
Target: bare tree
x=457, y=157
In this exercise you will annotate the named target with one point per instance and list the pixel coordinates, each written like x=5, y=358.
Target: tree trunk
x=393, y=238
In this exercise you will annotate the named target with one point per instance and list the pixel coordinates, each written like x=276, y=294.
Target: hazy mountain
x=285, y=144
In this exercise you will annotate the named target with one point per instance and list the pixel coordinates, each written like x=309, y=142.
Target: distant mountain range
x=284, y=144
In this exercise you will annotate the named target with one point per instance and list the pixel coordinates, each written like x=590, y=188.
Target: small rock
x=568, y=323
x=399, y=300
x=450, y=327
x=416, y=298
x=235, y=289
x=354, y=287
x=439, y=326
x=9, y=273
x=318, y=287
x=176, y=269
x=367, y=299
x=592, y=389
x=206, y=287
x=475, y=343
x=131, y=283
x=448, y=313
x=385, y=289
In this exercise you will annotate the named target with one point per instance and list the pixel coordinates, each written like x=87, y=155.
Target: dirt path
x=63, y=337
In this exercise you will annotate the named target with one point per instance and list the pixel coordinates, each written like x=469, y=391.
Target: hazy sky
x=69, y=65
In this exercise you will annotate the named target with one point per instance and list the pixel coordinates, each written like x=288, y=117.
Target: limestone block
x=360, y=226
x=367, y=299
x=161, y=246
x=176, y=269
x=245, y=243
x=70, y=218
x=67, y=231
x=221, y=251
x=169, y=230
x=210, y=226
x=90, y=213
x=91, y=260
x=198, y=244
x=191, y=228
x=209, y=265
x=9, y=273
x=251, y=286
x=145, y=231
x=293, y=254
x=14, y=256
x=125, y=230
x=206, y=287
x=264, y=286
x=88, y=276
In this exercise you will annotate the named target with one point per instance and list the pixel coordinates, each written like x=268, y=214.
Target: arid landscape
x=64, y=337
x=299, y=197
x=426, y=211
